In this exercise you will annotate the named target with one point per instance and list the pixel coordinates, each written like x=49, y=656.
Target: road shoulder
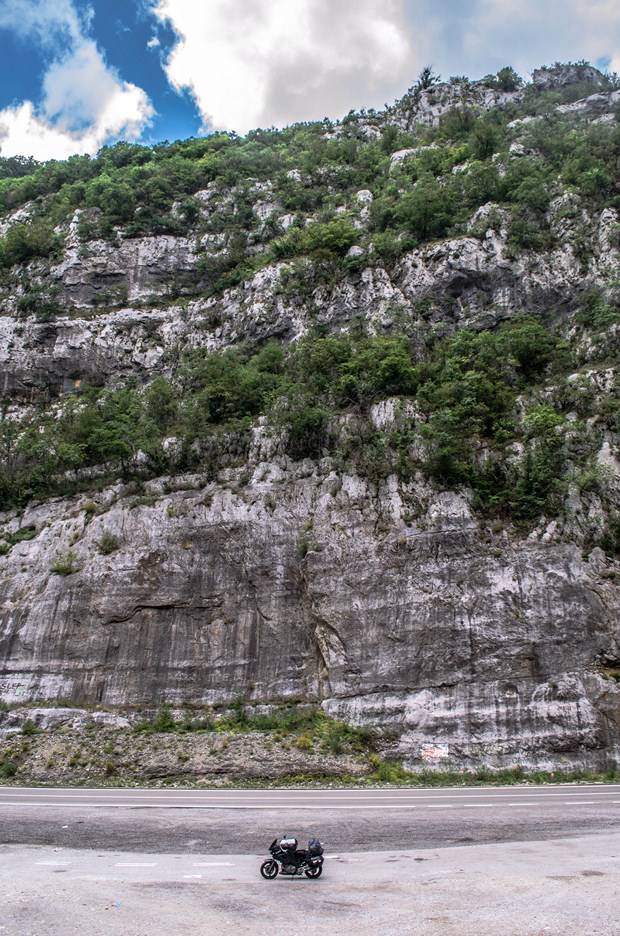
x=566, y=886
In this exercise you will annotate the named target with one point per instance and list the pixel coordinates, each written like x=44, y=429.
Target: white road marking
x=314, y=800
x=213, y=864
x=197, y=877
x=557, y=790
x=53, y=864
x=343, y=791
x=175, y=802
x=296, y=806
x=172, y=805
x=136, y=864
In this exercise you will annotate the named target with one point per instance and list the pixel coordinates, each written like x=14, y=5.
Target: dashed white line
x=212, y=864
x=135, y=864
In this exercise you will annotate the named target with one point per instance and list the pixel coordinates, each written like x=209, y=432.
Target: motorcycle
x=289, y=860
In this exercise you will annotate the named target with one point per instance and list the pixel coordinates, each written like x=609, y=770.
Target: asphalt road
x=241, y=821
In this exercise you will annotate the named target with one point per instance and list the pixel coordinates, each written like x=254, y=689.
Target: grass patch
x=394, y=774
x=306, y=726
x=65, y=563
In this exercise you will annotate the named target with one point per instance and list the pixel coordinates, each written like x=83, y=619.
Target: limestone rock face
x=459, y=281
x=388, y=604
x=139, y=267
x=476, y=653
x=430, y=105
x=593, y=106
x=561, y=76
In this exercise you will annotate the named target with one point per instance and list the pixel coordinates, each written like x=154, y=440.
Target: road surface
x=225, y=821
x=566, y=887
x=539, y=860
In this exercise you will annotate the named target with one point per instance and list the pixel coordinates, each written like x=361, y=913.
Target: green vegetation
x=313, y=173
x=108, y=543
x=8, y=768
x=65, y=563
x=472, y=413
x=25, y=242
x=387, y=773
x=168, y=745
x=488, y=410
x=308, y=726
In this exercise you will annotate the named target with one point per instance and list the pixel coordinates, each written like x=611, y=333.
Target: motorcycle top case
x=315, y=848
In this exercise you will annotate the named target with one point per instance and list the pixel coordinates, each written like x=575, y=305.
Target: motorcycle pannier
x=314, y=848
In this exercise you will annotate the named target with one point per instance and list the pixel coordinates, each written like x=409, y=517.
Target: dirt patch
x=102, y=755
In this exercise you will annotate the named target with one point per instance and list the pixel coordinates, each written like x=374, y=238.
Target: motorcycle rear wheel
x=269, y=869
x=314, y=872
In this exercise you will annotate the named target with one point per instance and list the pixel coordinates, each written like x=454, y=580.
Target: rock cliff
x=476, y=648
x=391, y=600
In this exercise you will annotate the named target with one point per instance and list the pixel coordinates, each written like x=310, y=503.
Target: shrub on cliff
x=25, y=242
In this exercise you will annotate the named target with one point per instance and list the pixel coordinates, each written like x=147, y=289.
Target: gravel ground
x=556, y=888
x=82, y=757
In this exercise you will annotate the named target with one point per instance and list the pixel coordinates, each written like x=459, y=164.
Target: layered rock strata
x=475, y=648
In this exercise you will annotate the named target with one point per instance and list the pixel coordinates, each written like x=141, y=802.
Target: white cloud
x=44, y=20
x=480, y=36
x=251, y=63
x=82, y=90
x=85, y=103
x=532, y=34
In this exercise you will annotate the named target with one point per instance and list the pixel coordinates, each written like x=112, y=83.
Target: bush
x=306, y=430
x=387, y=772
x=108, y=543
x=322, y=240
x=8, y=769
x=25, y=242
x=65, y=563
x=164, y=720
x=507, y=79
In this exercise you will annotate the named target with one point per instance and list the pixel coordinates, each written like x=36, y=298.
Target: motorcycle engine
x=289, y=868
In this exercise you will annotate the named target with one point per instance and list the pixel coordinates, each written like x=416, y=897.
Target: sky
x=79, y=74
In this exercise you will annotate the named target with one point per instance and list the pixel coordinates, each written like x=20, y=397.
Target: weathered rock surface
x=140, y=267
x=392, y=608
x=463, y=280
x=562, y=76
x=430, y=105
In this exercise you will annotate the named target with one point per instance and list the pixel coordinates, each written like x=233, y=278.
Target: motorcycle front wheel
x=314, y=872
x=269, y=869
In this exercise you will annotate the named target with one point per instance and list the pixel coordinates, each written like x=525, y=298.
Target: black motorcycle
x=287, y=859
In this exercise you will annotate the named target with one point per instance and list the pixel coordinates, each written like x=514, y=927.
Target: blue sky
x=76, y=74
